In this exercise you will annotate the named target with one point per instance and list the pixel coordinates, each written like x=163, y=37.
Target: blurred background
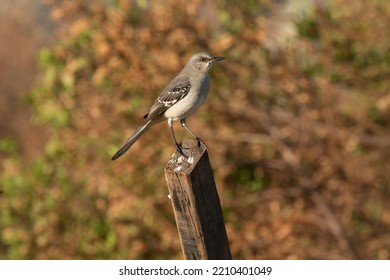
x=297, y=124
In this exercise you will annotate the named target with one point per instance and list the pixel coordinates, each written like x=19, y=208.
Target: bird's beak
x=217, y=58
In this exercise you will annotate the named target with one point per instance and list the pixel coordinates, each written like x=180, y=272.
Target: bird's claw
x=198, y=142
x=179, y=149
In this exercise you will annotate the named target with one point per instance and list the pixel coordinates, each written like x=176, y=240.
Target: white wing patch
x=173, y=96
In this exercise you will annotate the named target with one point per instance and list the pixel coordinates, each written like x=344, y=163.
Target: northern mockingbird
x=179, y=99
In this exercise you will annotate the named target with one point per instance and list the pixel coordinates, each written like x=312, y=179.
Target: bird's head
x=203, y=61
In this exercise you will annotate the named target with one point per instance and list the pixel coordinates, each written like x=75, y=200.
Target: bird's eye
x=203, y=59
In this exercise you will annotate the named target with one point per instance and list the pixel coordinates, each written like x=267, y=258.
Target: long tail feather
x=131, y=140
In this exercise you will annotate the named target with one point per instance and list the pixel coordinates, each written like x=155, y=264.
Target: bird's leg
x=178, y=146
x=183, y=124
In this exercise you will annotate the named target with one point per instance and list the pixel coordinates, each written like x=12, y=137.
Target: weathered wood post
x=196, y=204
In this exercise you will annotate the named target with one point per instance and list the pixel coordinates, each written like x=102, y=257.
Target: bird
x=179, y=99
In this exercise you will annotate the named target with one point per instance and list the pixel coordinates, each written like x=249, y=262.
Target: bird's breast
x=191, y=102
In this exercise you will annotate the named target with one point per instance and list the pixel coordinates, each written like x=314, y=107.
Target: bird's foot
x=179, y=149
x=198, y=141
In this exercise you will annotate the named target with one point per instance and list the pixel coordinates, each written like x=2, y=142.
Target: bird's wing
x=176, y=90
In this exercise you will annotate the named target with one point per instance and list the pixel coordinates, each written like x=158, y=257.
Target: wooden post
x=196, y=204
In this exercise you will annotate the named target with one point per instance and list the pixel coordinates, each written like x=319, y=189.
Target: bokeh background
x=297, y=124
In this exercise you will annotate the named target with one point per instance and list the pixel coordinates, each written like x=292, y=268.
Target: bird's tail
x=132, y=139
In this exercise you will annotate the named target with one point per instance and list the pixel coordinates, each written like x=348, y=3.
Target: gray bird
x=179, y=99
